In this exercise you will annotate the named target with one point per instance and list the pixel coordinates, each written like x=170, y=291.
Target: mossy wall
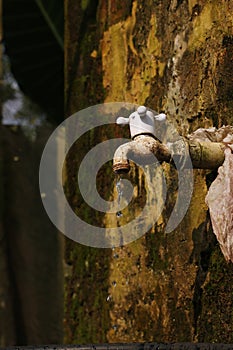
x=173, y=56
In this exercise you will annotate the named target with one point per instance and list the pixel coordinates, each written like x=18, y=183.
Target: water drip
x=120, y=194
x=109, y=298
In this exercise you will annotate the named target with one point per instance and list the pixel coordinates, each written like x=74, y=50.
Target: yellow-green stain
x=201, y=27
x=84, y=4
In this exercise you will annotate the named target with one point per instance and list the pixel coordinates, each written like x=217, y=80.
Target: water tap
x=142, y=124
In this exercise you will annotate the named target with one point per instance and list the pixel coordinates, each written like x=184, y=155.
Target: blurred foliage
x=33, y=38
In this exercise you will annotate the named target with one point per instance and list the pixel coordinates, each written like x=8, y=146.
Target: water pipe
x=145, y=148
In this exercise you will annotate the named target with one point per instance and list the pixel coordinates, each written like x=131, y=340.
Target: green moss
x=85, y=85
x=155, y=241
x=202, y=26
x=87, y=283
x=86, y=293
x=84, y=4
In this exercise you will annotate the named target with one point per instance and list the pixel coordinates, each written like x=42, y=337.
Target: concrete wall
x=174, y=56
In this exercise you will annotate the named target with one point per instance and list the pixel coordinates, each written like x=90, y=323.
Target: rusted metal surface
x=206, y=155
x=143, y=149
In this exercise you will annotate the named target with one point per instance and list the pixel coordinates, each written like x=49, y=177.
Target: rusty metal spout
x=120, y=167
x=144, y=149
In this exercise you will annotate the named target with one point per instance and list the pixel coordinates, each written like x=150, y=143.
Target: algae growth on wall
x=172, y=56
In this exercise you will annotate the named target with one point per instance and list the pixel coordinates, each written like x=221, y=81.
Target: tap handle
x=160, y=117
x=122, y=121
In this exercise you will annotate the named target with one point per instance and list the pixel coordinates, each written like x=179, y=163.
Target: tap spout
x=143, y=149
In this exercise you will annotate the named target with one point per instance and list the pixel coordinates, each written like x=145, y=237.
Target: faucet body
x=144, y=147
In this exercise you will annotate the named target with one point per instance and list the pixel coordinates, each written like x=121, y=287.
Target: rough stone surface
x=173, y=56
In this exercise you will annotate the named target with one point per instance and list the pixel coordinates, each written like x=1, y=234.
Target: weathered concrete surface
x=173, y=56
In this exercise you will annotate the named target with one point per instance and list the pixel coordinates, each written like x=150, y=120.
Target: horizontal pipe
x=206, y=155
x=146, y=150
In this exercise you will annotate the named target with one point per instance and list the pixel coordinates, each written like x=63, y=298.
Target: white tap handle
x=122, y=121
x=160, y=117
x=141, y=121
